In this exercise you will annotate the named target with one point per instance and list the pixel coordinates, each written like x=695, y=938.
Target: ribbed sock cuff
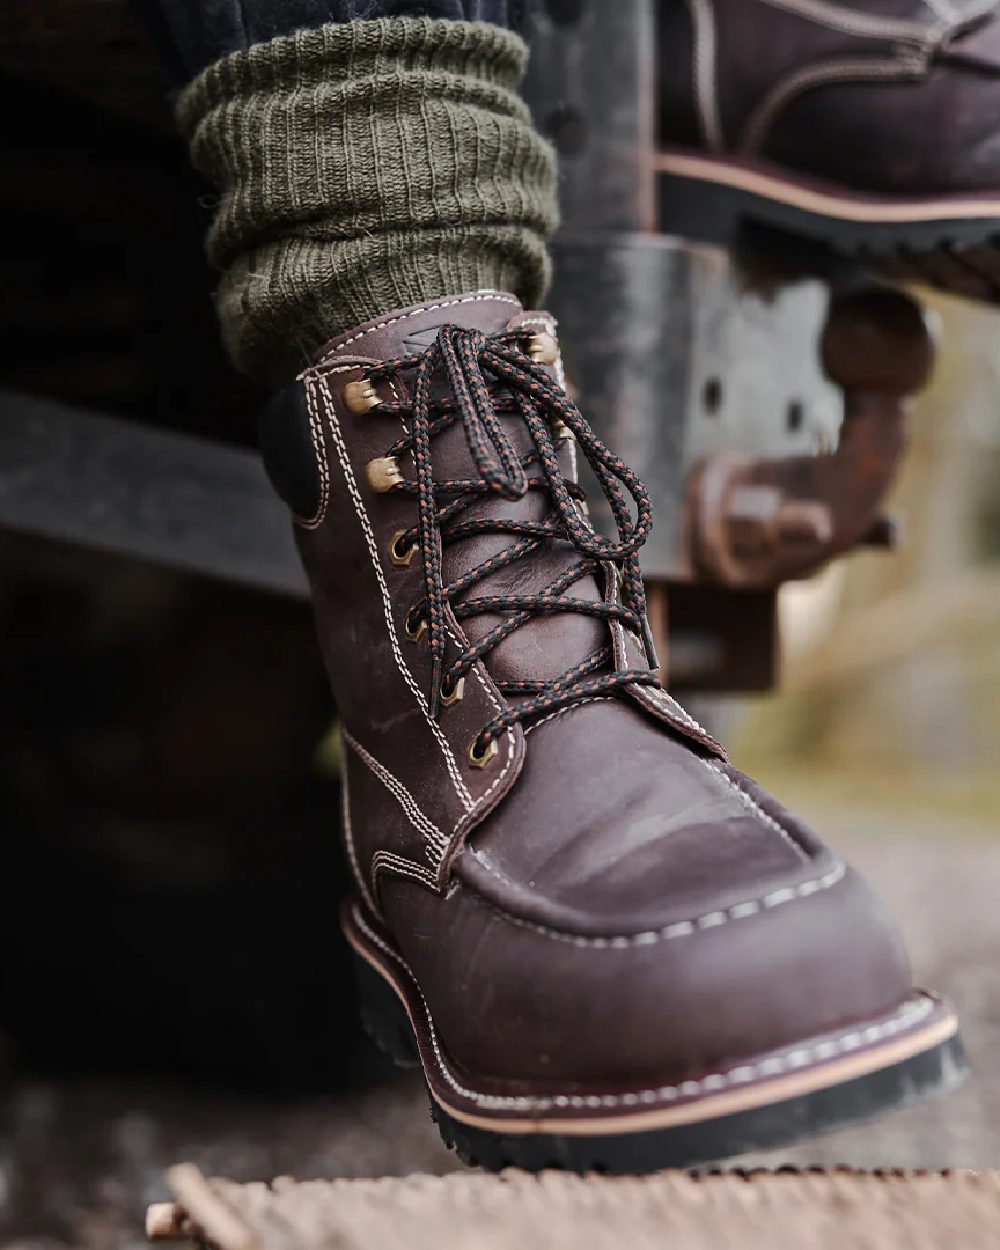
x=364, y=167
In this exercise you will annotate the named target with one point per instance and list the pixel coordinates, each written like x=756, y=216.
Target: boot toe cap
x=530, y=988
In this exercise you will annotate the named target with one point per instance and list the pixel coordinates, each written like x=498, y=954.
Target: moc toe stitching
x=677, y=929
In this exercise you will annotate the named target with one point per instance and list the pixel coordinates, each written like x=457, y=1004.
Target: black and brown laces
x=488, y=378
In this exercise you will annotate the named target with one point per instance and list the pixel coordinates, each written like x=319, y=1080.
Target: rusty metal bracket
x=756, y=522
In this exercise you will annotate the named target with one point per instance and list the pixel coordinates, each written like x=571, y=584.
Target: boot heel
x=384, y=1017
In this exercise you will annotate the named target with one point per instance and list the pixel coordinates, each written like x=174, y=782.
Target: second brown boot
x=605, y=946
x=869, y=127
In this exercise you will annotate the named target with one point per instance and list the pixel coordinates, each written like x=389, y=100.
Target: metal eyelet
x=454, y=694
x=543, y=349
x=561, y=431
x=361, y=397
x=383, y=474
x=414, y=626
x=482, y=759
x=398, y=553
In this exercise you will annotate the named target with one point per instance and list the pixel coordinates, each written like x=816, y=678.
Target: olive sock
x=363, y=167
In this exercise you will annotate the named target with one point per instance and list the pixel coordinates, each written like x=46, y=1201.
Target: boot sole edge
x=949, y=241
x=764, y=1114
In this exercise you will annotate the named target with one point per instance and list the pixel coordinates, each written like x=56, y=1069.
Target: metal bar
x=110, y=484
x=591, y=87
x=685, y=361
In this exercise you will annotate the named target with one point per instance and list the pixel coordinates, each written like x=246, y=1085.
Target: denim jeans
x=194, y=33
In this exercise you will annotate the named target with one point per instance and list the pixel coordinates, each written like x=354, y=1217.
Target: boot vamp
x=841, y=113
x=935, y=137
x=634, y=914
x=615, y=826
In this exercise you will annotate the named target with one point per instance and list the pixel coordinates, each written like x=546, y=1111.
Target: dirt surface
x=80, y=1159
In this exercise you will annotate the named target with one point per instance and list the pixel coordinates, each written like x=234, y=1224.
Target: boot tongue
x=408, y=330
x=547, y=645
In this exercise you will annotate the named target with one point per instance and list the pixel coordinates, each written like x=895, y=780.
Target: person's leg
x=607, y=948
x=363, y=166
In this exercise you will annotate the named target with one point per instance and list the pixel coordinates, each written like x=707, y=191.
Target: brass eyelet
x=561, y=431
x=361, y=397
x=383, y=474
x=543, y=349
x=489, y=752
x=399, y=554
x=414, y=626
x=454, y=694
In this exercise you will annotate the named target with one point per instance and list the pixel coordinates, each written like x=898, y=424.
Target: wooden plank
x=757, y=1210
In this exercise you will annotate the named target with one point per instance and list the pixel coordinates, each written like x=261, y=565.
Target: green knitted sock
x=364, y=167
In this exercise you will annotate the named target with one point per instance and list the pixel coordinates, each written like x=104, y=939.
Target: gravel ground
x=81, y=1158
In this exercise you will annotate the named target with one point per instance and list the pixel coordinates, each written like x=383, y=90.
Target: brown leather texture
x=607, y=902
x=880, y=96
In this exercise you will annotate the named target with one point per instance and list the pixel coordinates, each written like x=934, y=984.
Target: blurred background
x=890, y=685
x=172, y=980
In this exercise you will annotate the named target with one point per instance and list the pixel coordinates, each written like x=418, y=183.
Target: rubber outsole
x=950, y=242
x=619, y=1150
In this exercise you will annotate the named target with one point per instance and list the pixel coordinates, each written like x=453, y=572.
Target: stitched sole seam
x=836, y=1045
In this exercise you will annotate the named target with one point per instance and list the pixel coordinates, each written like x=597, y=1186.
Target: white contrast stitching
x=385, y=861
x=673, y=708
x=509, y=735
x=491, y=296
x=345, y=804
x=808, y=77
x=596, y=698
x=319, y=447
x=906, y=1016
x=468, y=803
x=407, y=676
x=488, y=690
x=852, y=22
x=511, y=740
x=680, y=928
x=705, y=87
x=407, y=802
x=752, y=805
x=652, y=696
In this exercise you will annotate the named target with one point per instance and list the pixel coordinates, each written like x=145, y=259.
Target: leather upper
x=886, y=96
x=609, y=899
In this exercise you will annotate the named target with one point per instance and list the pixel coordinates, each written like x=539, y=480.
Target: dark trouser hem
x=191, y=34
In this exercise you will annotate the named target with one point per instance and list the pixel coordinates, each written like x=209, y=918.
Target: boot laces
x=486, y=378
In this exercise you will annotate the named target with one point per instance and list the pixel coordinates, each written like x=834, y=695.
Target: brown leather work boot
x=606, y=947
x=869, y=126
